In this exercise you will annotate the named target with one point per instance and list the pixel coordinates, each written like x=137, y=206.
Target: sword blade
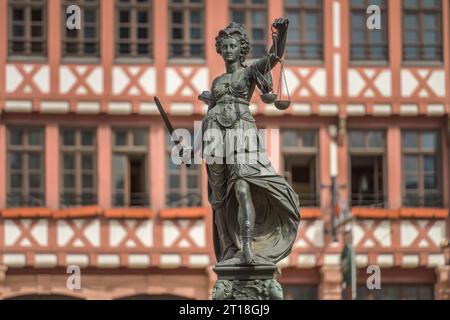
x=165, y=119
x=168, y=125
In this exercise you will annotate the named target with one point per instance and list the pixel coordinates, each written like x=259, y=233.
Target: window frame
x=183, y=172
x=401, y=288
x=421, y=154
x=307, y=291
x=25, y=150
x=134, y=7
x=77, y=151
x=302, y=10
x=129, y=149
x=368, y=33
x=27, y=23
x=186, y=7
x=80, y=39
x=370, y=151
x=420, y=11
x=301, y=151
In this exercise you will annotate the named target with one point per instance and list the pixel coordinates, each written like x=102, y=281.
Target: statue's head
x=232, y=43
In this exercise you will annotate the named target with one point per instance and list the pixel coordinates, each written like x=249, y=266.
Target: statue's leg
x=246, y=218
x=217, y=184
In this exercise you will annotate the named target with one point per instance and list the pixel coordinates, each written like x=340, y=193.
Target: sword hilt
x=180, y=153
x=168, y=124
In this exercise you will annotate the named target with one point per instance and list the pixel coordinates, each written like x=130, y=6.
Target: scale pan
x=282, y=104
x=268, y=97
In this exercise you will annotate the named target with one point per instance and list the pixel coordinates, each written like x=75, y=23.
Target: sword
x=169, y=126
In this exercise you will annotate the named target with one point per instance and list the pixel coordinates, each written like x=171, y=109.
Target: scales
x=271, y=97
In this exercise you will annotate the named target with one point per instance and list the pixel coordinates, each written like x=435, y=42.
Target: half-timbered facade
x=85, y=171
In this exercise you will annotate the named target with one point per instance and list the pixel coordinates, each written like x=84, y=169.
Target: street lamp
x=445, y=246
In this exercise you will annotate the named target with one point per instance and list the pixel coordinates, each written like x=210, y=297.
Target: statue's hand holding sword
x=186, y=152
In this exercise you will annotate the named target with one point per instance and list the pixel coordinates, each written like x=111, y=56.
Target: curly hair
x=235, y=30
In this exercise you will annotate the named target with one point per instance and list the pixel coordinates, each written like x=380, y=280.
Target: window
x=186, y=23
x=396, y=292
x=422, y=30
x=300, y=155
x=368, y=44
x=421, y=173
x=78, y=167
x=25, y=167
x=367, y=152
x=183, y=183
x=300, y=292
x=305, y=36
x=27, y=27
x=130, y=168
x=83, y=42
x=253, y=15
x=133, y=35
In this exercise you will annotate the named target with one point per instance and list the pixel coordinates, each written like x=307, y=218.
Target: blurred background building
x=85, y=171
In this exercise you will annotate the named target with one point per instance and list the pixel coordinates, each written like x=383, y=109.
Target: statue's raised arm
x=276, y=52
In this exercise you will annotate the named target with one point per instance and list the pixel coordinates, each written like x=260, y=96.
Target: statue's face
x=230, y=49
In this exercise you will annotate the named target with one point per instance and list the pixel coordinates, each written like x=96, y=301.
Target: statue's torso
x=236, y=84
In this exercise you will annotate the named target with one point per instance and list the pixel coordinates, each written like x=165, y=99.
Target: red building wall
x=167, y=243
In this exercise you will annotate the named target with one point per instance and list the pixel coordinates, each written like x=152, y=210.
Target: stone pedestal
x=247, y=283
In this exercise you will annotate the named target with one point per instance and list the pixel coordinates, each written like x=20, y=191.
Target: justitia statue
x=256, y=212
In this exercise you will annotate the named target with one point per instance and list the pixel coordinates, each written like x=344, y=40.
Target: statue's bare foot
x=249, y=257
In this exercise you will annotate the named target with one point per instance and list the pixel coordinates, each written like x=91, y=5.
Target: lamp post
x=341, y=218
x=445, y=246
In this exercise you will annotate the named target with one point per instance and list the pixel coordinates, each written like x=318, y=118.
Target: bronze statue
x=256, y=212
